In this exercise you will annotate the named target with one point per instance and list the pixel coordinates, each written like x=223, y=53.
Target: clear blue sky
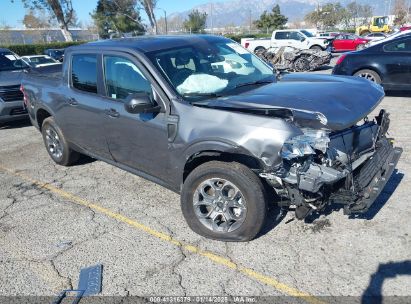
x=12, y=13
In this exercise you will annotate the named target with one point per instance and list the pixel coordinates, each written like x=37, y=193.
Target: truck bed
x=52, y=71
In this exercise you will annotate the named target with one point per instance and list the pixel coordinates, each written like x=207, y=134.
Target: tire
x=259, y=48
x=56, y=144
x=231, y=181
x=369, y=75
x=316, y=47
x=301, y=64
x=360, y=47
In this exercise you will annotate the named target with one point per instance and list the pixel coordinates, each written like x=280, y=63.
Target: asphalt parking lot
x=56, y=220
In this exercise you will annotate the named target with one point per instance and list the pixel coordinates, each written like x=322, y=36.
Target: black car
x=387, y=63
x=57, y=54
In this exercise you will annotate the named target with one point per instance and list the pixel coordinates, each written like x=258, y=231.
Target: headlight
x=305, y=144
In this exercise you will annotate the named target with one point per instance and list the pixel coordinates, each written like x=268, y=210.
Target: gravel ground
x=56, y=220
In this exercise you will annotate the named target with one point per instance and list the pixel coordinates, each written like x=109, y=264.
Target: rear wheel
x=369, y=75
x=224, y=201
x=56, y=144
x=360, y=47
x=316, y=47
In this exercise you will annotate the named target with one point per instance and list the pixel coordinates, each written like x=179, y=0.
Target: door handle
x=112, y=113
x=72, y=101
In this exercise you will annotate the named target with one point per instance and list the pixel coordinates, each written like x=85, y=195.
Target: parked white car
x=376, y=36
x=300, y=39
x=36, y=61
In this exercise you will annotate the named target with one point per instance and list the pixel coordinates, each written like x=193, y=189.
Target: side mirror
x=140, y=103
x=302, y=39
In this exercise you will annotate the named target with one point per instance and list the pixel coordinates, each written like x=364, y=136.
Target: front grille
x=373, y=165
x=11, y=93
x=18, y=111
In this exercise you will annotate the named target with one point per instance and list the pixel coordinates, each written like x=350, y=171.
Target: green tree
x=196, y=22
x=272, y=21
x=328, y=16
x=117, y=16
x=62, y=10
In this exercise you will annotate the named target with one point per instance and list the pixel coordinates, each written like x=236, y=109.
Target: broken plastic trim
x=273, y=112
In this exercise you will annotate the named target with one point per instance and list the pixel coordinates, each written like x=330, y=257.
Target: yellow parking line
x=259, y=277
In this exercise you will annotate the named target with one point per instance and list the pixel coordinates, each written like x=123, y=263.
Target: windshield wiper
x=201, y=95
x=258, y=82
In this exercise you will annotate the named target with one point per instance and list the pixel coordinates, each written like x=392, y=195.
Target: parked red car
x=405, y=28
x=348, y=42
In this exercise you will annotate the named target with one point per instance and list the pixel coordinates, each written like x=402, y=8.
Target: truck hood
x=315, y=101
x=9, y=78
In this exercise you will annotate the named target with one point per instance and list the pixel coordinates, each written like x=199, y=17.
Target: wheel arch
x=205, y=156
x=316, y=46
x=41, y=115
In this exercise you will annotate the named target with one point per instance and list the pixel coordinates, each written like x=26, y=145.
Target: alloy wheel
x=219, y=205
x=368, y=76
x=53, y=143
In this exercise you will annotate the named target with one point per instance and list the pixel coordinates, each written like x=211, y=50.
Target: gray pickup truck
x=11, y=98
x=207, y=119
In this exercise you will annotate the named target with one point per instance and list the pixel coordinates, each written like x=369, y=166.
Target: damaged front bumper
x=369, y=180
x=349, y=167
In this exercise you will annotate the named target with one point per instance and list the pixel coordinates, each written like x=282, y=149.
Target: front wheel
x=224, y=201
x=369, y=75
x=56, y=144
x=301, y=64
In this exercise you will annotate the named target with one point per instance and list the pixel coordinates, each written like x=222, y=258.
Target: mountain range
x=240, y=12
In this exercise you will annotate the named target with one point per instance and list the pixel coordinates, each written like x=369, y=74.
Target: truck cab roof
x=151, y=43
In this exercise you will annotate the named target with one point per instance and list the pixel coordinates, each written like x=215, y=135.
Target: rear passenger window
x=84, y=73
x=403, y=46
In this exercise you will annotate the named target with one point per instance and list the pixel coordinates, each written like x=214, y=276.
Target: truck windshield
x=307, y=33
x=210, y=69
x=10, y=62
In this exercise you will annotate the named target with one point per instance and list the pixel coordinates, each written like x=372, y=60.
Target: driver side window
x=122, y=78
x=295, y=36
